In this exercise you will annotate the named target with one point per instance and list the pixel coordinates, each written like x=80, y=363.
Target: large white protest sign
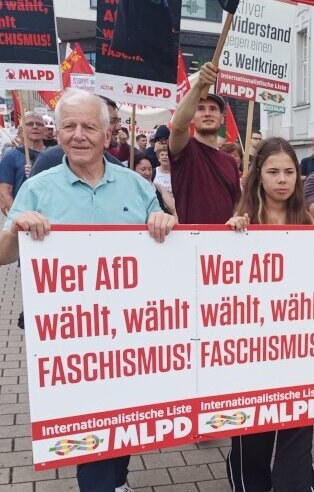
x=256, y=59
x=134, y=345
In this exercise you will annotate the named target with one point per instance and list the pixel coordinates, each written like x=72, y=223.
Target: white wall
x=74, y=9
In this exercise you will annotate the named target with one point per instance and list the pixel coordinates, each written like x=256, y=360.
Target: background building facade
x=297, y=123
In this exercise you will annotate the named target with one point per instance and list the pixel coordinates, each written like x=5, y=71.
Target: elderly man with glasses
x=13, y=168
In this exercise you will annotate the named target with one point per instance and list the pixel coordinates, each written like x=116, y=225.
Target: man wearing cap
x=49, y=140
x=161, y=143
x=151, y=140
x=161, y=138
x=205, y=180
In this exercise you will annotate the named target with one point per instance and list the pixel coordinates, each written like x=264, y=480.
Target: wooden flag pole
x=249, y=125
x=219, y=48
x=132, y=137
x=26, y=147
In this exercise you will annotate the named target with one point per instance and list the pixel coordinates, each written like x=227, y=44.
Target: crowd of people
x=177, y=178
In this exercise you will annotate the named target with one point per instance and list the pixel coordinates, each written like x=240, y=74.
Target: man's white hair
x=73, y=97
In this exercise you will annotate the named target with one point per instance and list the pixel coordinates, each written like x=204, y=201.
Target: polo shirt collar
x=72, y=178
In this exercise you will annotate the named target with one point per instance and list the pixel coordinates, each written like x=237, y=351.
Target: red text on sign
x=268, y=268
x=50, y=276
x=121, y=274
x=216, y=270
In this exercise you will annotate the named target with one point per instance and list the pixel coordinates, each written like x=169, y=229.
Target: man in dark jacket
x=161, y=143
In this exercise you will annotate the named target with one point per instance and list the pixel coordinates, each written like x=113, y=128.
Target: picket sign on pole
x=219, y=48
x=27, y=157
x=132, y=136
x=249, y=125
x=147, y=75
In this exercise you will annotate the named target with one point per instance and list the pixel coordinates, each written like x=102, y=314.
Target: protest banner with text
x=134, y=345
x=256, y=59
x=29, y=57
x=137, y=51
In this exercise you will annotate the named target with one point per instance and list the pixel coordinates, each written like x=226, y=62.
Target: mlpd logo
x=26, y=74
x=10, y=74
x=148, y=90
x=220, y=420
x=67, y=446
x=128, y=88
x=272, y=97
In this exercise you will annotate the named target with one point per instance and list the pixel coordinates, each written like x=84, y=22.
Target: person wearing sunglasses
x=13, y=167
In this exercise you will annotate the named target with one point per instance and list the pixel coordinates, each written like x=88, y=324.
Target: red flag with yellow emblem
x=76, y=62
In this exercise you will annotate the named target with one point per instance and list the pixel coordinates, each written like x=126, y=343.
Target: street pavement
x=190, y=468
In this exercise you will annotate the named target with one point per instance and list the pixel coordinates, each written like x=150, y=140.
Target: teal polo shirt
x=121, y=196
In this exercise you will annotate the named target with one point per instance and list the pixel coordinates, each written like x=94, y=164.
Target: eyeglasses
x=34, y=123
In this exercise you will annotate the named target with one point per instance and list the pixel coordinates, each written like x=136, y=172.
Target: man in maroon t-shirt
x=205, y=180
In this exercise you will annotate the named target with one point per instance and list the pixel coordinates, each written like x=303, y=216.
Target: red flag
x=16, y=109
x=232, y=132
x=1, y=121
x=76, y=62
x=183, y=86
x=183, y=83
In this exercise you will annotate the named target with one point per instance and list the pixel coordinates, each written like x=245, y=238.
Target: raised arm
x=187, y=107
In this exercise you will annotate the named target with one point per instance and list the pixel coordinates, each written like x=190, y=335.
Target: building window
x=91, y=57
x=303, y=67
x=209, y=10
x=195, y=56
x=93, y=4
